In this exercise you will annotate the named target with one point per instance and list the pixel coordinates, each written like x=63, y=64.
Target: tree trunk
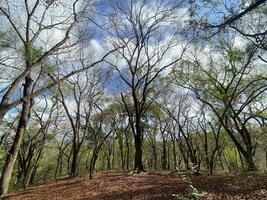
x=109, y=158
x=73, y=171
x=241, y=160
x=120, y=140
x=212, y=161
x=113, y=154
x=174, y=154
x=128, y=152
x=164, y=155
x=138, y=163
x=221, y=161
x=183, y=154
x=249, y=162
x=168, y=158
x=3, y=111
x=211, y=164
x=93, y=162
x=57, y=165
x=246, y=152
x=155, y=157
x=13, y=152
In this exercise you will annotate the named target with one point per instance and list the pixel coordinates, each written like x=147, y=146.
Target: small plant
x=193, y=168
x=178, y=169
x=193, y=194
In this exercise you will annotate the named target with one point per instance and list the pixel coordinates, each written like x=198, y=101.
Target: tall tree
x=140, y=26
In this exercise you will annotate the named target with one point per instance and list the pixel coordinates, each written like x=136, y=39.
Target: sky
x=98, y=40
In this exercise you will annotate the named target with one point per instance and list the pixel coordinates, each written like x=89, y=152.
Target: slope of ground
x=119, y=186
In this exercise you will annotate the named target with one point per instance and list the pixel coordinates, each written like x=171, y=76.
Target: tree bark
x=13, y=152
x=75, y=151
x=250, y=165
x=120, y=140
x=164, y=154
x=155, y=157
x=174, y=153
x=93, y=162
x=128, y=155
x=138, y=163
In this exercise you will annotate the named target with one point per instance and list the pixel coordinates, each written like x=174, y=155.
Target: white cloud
x=239, y=42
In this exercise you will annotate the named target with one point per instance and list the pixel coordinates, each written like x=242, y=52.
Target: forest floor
x=158, y=186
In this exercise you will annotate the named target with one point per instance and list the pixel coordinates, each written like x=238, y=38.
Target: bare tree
x=86, y=90
x=140, y=26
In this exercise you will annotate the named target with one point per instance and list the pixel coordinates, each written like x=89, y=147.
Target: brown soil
x=158, y=186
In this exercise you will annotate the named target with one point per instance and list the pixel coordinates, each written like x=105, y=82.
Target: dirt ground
x=158, y=186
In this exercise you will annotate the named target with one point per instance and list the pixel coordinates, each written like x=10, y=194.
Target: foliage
x=31, y=53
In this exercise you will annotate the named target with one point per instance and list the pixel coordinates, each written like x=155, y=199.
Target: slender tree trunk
x=33, y=174
x=174, y=154
x=164, y=154
x=211, y=167
x=128, y=152
x=226, y=162
x=28, y=178
x=13, y=152
x=69, y=161
x=168, y=158
x=155, y=157
x=93, y=162
x=58, y=163
x=109, y=158
x=113, y=154
x=185, y=159
x=61, y=166
x=103, y=162
x=121, y=153
x=221, y=161
x=212, y=161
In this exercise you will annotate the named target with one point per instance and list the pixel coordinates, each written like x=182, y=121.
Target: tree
x=145, y=55
x=228, y=85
